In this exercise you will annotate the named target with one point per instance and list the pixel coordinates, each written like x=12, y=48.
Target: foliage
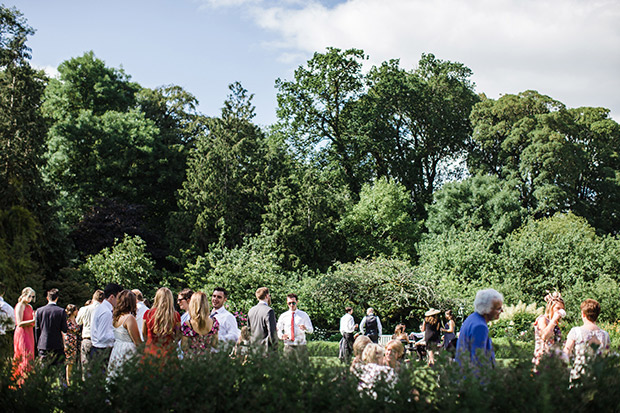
x=380, y=223
x=516, y=322
x=126, y=263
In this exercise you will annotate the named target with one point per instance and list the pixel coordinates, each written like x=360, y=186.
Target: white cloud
x=50, y=71
x=568, y=49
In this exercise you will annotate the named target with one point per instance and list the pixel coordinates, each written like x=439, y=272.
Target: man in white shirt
x=292, y=327
x=85, y=319
x=141, y=309
x=7, y=323
x=347, y=329
x=229, y=330
x=183, y=301
x=102, y=330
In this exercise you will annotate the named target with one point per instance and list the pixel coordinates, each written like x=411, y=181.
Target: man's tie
x=213, y=314
x=293, y=326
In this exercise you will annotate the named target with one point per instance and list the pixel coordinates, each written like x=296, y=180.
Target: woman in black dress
x=432, y=335
x=449, y=330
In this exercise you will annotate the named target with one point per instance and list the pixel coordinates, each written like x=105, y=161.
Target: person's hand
x=284, y=336
x=356, y=326
x=302, y=327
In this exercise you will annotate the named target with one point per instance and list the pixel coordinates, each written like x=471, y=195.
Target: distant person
x=7, y=323
x=394, y=353
x=347, y=329
x=162, y=325
x=474, y=344
x=293, y=325
x=547, y=333
x=141, y=308
x=72, y=340
x=102, y=328
x=586, y=340
x=371, y=325
x=51, y=323
x=126, y=334
x=262, y=322
x=449, y=332
x=200, y=332
x=228, y=332
x=183, y=301
x=432, y=336
x=23, y=338
x=373, y=370
x=85, y=319
x=242, y=347
x=359, y=345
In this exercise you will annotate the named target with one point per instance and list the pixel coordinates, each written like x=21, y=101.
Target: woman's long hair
x=126, y=303
x=199, y=309
x=552, y=299
x=164, y=321
x=25, y=292
x=432, y=320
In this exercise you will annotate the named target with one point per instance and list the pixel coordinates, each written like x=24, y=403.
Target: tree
x=224, y=192
x=380, y=223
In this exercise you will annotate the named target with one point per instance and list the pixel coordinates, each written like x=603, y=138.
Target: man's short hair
x=348, y=309
x=591, y=309
x=262, y=293
x=186, y=293
x=111, y=289
x=291, y=295
x=98, y=296
x=483, y=303
x=222, y=290
x=138, y=294
x=52, y=294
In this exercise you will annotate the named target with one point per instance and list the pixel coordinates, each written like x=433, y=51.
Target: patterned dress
x=72, y=341
x=541, y=346
x=200, y=344
x=588, y=344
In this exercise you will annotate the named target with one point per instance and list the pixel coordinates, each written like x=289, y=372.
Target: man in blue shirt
x=474, y=343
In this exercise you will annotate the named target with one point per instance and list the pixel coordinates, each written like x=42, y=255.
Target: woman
x=400, y=334
x=587, y=340
x=547, y=331
x=72, y=340
x=449, y=331
x=359, y=345
x=126, y=333
x=432, y=335
x=373, y=370
x=200, y=331
x=394, y=352
x=161, y=324
x=23, y=338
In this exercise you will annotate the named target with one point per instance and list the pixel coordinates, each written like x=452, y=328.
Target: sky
x=566, y=49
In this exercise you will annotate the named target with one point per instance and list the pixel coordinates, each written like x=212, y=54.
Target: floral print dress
x=72, y=341
x=541, y=346
x=200, y=344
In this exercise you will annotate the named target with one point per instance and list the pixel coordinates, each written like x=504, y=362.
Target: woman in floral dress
x=547, y=326
x=200, y=331
x=72, y=337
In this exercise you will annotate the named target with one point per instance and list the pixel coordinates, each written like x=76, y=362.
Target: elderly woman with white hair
x=474, y=343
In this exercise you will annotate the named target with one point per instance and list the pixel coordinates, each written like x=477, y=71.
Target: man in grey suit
x=262, y=322
x=51, y=322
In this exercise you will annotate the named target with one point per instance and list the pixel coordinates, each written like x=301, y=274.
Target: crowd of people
x=111, y=326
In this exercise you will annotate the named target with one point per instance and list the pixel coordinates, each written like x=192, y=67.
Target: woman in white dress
x=126, y=333
x=587, y=340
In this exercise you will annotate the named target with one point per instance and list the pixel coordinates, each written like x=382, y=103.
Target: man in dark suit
x=51, y=322
x=262, y=322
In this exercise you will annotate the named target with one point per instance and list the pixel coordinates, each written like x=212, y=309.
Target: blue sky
x=567, y=49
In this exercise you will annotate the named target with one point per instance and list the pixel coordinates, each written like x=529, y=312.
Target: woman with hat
x=432, y=335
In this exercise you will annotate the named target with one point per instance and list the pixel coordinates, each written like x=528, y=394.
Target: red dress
x=159, y=345
x=23, y=345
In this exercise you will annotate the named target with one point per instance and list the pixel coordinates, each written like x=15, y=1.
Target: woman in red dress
x=162, y=325
x=23, y=338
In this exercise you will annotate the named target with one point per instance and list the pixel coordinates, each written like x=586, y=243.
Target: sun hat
x=431, y=312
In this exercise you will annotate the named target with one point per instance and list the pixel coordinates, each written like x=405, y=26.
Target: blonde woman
x=23, y=338
x=547, y=331
x=394, y=353
x=200, y=331
x=161, y=324
x=374, y=370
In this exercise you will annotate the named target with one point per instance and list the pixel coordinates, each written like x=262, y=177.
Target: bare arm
x=546, y=328
x=19, y=316
x=568, y=347
x=132, y=327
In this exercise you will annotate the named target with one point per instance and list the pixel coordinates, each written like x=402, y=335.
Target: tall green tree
x=224, y=193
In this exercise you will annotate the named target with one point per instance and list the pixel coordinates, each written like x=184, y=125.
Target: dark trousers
x=374, y=337
x=54, y=357
x=100, y=356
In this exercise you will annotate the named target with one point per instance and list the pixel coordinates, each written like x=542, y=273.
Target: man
x=371, y=325
x=183, y=300
x=85, y=319
x=7, y=323
x=102, y=330
x=474, y=344
x=347, y=329
x=51, y=322
x=262, y=322
x=140, y=310
x=229, y=330
x=293, y=325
